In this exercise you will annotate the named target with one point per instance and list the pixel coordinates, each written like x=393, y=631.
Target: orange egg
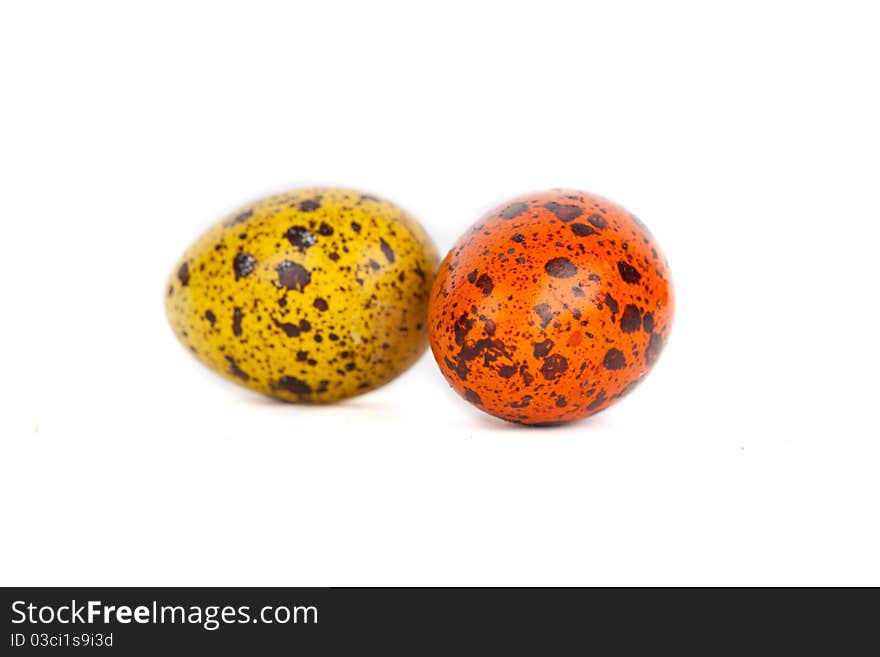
x=550, y=308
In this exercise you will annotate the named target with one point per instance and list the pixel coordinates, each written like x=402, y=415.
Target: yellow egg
x=311, y=296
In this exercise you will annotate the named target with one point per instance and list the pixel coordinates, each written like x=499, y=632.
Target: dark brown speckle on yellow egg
x=310, y=296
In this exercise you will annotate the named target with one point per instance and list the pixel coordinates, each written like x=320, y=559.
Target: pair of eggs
x=549, y=309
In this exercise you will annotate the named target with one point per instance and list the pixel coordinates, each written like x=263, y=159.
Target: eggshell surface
x=310, y=296
x=551, y=308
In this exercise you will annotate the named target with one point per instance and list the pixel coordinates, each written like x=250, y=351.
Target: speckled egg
x=550, y=308
x=311, y=296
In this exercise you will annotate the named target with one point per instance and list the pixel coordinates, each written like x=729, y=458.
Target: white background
x=744, y=134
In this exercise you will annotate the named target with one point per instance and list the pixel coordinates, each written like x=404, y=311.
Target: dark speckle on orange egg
x=551, y=308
